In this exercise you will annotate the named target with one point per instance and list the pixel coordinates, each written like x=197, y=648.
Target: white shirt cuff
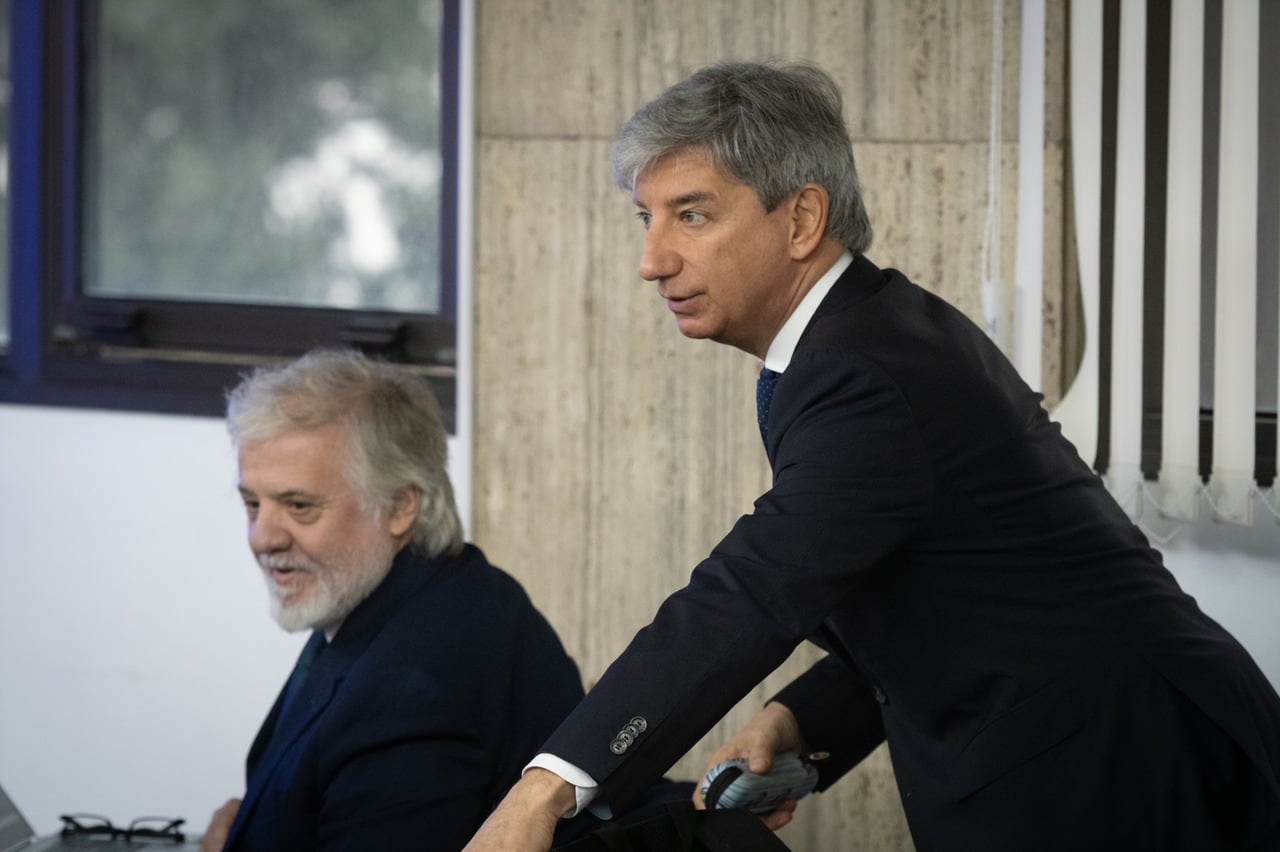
x=585, y=787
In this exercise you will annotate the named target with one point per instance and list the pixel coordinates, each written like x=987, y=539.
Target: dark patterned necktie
x=764, y=397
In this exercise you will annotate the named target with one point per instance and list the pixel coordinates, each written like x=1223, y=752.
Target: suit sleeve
x=837, y=714
x=851, y=481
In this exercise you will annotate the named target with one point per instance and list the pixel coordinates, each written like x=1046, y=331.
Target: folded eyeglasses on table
x=151, y=829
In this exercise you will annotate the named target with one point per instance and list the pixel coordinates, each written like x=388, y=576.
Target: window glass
x=279, y=152
x=5, y=94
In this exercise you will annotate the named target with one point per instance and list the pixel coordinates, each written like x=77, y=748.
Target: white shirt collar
x=778, y=358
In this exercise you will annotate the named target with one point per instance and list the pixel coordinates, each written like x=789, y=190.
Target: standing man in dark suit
x=429, y=679
x=1041, y=680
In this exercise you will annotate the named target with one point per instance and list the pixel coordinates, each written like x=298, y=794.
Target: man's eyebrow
x=287, y=494
x=696, y=196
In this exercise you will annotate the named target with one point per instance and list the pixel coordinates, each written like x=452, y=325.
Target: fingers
x=215, y=836
x=780, y=817
x=756, y=743
x=761, y=760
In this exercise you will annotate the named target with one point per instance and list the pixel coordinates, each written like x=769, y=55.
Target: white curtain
x=1231, y=488
x=1235, y=329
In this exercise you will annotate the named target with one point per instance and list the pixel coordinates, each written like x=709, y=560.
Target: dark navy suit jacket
x=1041, y=680
x=414, y=721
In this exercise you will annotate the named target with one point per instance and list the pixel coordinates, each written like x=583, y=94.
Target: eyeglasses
x=92, y=825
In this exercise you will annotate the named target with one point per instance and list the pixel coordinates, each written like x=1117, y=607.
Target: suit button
x=630, y=731
x=880, y=697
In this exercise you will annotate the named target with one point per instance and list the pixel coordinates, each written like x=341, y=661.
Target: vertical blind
x=1173, y=152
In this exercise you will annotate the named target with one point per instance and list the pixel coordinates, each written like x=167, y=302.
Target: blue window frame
x=78, y=336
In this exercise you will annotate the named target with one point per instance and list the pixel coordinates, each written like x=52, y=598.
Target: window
x=209, y=186
x=4, y=174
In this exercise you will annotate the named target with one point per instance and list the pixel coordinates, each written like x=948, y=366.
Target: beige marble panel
x=553, y=67
x=928, y=204
x=910, y=69
x=920, y=69
x=1055, y=71
x=1056, y=310
x=533, y=476
x=599, y=427
x=1071, y=331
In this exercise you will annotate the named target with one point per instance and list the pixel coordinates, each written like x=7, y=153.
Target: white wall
x=137, y=658
x=1234, y=573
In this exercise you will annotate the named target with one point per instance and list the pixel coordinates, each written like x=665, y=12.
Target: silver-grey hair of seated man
x=397, y=437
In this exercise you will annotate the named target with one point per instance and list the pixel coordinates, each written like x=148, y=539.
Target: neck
x=808, y=271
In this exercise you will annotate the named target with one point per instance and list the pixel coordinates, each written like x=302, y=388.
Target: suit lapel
x=859, y=282
x=279, y=732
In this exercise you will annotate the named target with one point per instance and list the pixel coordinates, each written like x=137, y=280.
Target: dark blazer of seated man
x=429, y=679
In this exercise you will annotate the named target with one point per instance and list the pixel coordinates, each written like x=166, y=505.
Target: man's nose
x=268, y=533
x=657, y=260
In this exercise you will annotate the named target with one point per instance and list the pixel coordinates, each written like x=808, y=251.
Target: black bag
x=680, y=827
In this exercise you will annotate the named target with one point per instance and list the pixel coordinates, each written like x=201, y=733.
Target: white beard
x=335, y=590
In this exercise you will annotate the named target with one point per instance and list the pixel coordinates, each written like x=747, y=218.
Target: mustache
x=285, y=561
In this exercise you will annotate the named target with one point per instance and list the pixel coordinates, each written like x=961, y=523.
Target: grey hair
x=397, y=438
x=774, y=127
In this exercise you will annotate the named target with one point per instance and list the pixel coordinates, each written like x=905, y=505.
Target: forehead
x=314, y=458
x=679, y=177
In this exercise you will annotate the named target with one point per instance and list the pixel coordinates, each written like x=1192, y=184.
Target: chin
x=301, y=615
x=290, y=620
x=693, y=330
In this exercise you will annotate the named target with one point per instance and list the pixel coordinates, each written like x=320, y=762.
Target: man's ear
x=809, y=207
x=404, y=510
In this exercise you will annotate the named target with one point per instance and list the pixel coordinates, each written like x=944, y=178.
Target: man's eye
x=644, y=218
x=692, y=217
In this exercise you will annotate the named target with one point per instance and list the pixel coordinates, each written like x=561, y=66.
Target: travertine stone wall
x=611, y=454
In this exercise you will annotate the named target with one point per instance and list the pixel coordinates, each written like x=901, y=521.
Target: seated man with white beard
x=429, y=679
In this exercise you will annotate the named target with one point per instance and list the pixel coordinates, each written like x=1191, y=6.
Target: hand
x=525, y=820
x=771, y=731
x=215, y=836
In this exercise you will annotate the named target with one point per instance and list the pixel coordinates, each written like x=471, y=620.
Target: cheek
x=726, y=271
x=361, y=536
x=320, y=548
x=750, y=257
